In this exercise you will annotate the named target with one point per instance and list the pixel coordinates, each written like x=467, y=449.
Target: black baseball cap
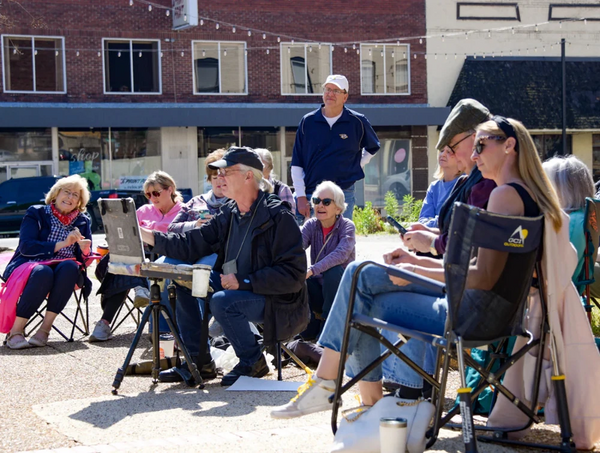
x=238, y=155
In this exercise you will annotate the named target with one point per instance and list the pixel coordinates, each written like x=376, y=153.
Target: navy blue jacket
x=333, y=154
x=33, y=237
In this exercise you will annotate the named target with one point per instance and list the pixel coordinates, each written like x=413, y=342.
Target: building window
x=220, y=67
x=385, y=69
x=34, y=64
x=304, y=68
x=550, y=145
x=131, y=66
x=596, y=156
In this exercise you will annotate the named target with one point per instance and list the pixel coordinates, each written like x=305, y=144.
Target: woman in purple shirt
x=332, y=242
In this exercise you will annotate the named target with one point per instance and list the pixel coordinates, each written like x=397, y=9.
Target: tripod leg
x=121, y=371
x=155, y=298
x=191, y=364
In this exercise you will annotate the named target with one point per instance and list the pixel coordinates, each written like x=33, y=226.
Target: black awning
x=201, y=114
x=530, y=90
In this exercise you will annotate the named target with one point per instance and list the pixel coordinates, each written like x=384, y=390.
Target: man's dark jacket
x=278, y=262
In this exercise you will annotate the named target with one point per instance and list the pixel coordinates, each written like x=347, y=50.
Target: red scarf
x=65, y=219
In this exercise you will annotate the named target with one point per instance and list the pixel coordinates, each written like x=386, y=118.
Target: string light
x=119, y=55
x=185, y=18
x=292, y=42
x=182, y=53
x=584, y=21
x=98, y=53
x=560, y=24
x=345, y=50
x=233, y=29
x=161, y=54
x=217, y=26
x=382, y=54
x=278, y=39
x=35, y=52
x=357, y=51
x=56, y=53
x=140, y=55
x=224, y=52
x=467, y=35
x=264, y=36
x=130, y=2
x=319, y=46
x=289, y=49
x=149, y=7
x=332, y=48
x=415, y=56
x=203, y=52
x=489, y=33
x=267, y=51
x=354, y=46
x=404, y=55
x=393, y=55
x=201, y=21
x=442, y=38
x=426, y=56
x=513, y=30
x=455, y=56
x=370, y=53
x=168, y=12
x=246, y=52
x=15, y=51
x=420, y=40
x=249, y=32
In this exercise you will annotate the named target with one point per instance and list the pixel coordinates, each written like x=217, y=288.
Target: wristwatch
x=432, y=248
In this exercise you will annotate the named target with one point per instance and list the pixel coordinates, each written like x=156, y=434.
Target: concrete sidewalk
x=59, y=397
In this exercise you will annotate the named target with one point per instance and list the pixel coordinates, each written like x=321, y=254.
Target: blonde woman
x=52, y=234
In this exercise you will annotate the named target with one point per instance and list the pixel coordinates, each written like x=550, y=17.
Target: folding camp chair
x=126, y=310
x=466, y=327
x=591, y=231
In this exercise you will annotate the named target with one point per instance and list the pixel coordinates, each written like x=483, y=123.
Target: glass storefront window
x=550, y=145
x=268, y=138
x=103, y=157
x=209, y=140
x=18, y=145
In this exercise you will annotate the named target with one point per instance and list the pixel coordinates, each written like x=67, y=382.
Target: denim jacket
x=339, y=247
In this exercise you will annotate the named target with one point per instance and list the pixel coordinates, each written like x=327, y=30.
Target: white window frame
x=408, y=93
x=194, y=88
x=132, y=92
x=283, y=55
x=33, y=37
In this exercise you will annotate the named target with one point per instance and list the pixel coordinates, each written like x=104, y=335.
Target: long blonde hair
x=530, y=169
x=164, y=180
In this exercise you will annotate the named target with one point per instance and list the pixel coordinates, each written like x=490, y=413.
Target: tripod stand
x=155, y=308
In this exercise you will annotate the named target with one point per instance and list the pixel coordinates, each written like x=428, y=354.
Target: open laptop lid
x=122, y=230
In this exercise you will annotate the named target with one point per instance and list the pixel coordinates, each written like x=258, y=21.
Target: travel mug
x=392, y=435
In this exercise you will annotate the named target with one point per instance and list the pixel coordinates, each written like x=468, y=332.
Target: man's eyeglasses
x=479, y=144
x=224, y=173
x=154, y=193
x=325, y=201
x=70, y=194
x=453, y=147
x=334, y=91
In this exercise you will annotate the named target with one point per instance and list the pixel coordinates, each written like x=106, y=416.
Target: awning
x=24, y=114
x=530, y=90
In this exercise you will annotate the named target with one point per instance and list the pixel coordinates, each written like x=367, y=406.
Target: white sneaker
x=313, y=396
x=142, y=296
x=101, y=332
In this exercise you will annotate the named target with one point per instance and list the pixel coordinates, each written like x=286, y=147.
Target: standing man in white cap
x=333, y=143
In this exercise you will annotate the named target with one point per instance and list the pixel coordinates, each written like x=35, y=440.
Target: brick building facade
x=108, y=88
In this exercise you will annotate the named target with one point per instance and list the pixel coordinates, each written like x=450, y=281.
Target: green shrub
x=392, y=207
x=411, y=209
x=367, y=220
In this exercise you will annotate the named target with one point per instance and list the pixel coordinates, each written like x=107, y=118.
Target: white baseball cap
x=338, y=80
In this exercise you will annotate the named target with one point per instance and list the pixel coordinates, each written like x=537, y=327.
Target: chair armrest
x=426, y=282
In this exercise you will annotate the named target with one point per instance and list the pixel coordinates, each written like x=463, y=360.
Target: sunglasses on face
x=154, y=193
x=325, y=201
x=479, y=144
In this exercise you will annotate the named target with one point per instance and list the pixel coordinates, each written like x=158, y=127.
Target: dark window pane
x=207, y=75
x=145, y=67
x=48, y=65
x=18, y=64
x=25, y=145
x=212, y=138
x=118, y=67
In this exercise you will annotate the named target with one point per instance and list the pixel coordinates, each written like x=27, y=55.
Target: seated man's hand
x=419, y=240
x=229, y=282
x=400, y=281
x=398, y=256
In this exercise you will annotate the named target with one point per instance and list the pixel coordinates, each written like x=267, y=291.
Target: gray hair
x=338, y=194
x=261, y=182
x=572, y=180
x=266, y=157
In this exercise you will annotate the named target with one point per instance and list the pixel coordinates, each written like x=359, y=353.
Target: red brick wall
x=85, y=23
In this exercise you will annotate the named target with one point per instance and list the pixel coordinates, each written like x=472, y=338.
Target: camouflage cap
x=465, y=116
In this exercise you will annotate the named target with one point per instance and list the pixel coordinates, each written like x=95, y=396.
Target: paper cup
x=167, y=347
x=200, y=279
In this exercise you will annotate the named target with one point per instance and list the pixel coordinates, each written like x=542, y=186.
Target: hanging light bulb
x=354, y=46
x=345, y=50
x=292, y=41
x=233, y=29
x=182, y=53
x=98, y=53
x=370, y=53
x=168, y=12
x=398, y=42
x=535, y=49
x=560, y=24
x=224, y=53
x=513, y=30
x=332, y=47
x=201, y=21
x=455, y=56
x=149, y=7
x=426, y=56
x=130, y=2
x=420, y=40
x=319, y=46
x=267, y=51
x=289, y=49
x=404, y=55
x=264, y=36
x=584, y=21
x=415, y=56
x=278, y=39
x=357, y=51
x=246, y=52
x=465, y=56
x=15, y=51
x=489, y=33
x=185, y=17
x=483, y=54
x=119, y=55
x=217, y=25
x=203, y=52
x=435, y=56
x=249, y=32
x=382, y=54
x=474, y=56
x=140, y=55
x=466, y=35
x=544, y=48
x=443, y=38
x=35, y=52
x=393, y=54
x=310, y=48
x=161, y=54
x=511, y=53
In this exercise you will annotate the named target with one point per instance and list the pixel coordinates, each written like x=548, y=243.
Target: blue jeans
x=410, y=306
x=190, y=310
x=349, y=197
x=234, y=310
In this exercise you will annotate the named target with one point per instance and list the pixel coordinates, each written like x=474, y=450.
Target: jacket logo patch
x=343, y=136
x=517, y=239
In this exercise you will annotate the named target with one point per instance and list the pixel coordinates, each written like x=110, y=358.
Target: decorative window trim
x=517, y=16
x=283, y=55
x=33, y=37
x=408, y=93
x=219, y=42
x=131, y=93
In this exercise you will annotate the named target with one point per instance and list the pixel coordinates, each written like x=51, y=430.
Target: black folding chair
x=467, y=326
x=591, y=231
x=126, y=310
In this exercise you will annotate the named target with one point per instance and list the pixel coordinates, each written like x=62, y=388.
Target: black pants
x=57, y=282
x=321, y=293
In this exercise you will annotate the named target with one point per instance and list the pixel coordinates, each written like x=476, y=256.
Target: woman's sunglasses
x=325, y=201
x=479, y=144
x=154, y=193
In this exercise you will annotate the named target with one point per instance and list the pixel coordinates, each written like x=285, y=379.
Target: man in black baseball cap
x=260, y=272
